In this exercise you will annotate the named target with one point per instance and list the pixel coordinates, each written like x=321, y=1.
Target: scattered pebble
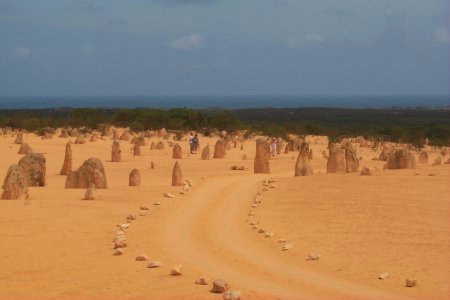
x=141, y=258
x=157, y=203
x=154, y=264
x=176, y=271
x=410, y=283
x=232, y=295
x=219, y=286
x=313, y=257
x=131, y=217
x=286, y=247
x=120, y=244
x=124, y=226
x=169, y=195
x=202, y=281
x=118, y=252
x=383, y=276
x=268, y=234
x=143, y=207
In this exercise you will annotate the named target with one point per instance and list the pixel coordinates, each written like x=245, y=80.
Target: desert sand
x=339, y=232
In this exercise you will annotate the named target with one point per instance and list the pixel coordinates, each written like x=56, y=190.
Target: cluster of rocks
x=29, y=172
x=342, y=158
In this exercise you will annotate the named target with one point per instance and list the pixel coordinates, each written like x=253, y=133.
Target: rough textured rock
x=410, y=283
x=262, y=157
x=437, y=161
x=140, y=140
x=176, y=271
x=219, y=286
x=63, y=134
x=202, y=281
x=206, y=153
x=19, y=138
x=73, y=132
x=219, y=149
x=401, y=159
x=25, y=149
x=67, y=165
x=90, y=193
x=384, y=155
x=15, y=184
x=137, y=150
x=116, y=153
x=160, y=145
x=34, y=168
x=232, y=295
x=423, y=157
x=162, y=132
x=351, y=159
x=303, y=165
x=154, y=264
x=93, y=138
x=177, y=152
x=177, y=175
x=116, y=135
x=91, y=172
x=366, y=172
x=80, y=140
x=336, y=159
x=135, y=178
x=125, y=136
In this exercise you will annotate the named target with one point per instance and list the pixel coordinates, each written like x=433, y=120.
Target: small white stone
x=202, y=281
x=286, y=247
x=131, y=217
x=313, y=256
x=268, y=234
x=169, y=195
x=154, y=264
x=124, y=226
x=232, y=295
x=118, y=252
x=176, y=271
x=141, y=258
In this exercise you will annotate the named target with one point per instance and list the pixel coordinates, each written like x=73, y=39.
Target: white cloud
x=442, y=35
x=22, y=52
x=188, y=42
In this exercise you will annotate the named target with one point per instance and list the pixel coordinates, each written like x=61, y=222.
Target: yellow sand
x=56, y=246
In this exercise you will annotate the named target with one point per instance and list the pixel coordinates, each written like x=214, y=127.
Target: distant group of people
x=194, y=143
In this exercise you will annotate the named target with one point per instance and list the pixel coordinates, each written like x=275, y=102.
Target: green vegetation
x=399, y=125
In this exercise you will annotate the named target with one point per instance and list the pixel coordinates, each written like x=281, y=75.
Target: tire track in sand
x=208, y=232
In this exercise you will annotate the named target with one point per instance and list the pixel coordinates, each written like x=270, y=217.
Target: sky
x=55, y=48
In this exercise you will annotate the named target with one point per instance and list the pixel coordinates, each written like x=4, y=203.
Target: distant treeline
x=399, y=125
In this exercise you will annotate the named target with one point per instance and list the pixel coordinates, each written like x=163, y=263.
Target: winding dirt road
x=210, y=232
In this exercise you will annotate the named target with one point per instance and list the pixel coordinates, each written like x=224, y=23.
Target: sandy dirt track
x=59, y=247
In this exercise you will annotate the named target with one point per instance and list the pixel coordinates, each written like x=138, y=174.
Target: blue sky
x=223, y=47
